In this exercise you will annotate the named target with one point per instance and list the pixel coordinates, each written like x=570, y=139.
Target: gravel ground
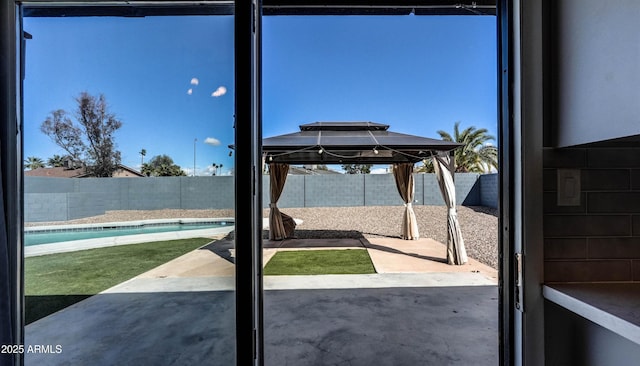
x=479, y=224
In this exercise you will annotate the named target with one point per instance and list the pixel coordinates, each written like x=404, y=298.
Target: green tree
x=33, y=162
x=357, y=168
x=475, y=156
x=90, y=140
x=161, y=166
x=146, y=169
x=55, y=161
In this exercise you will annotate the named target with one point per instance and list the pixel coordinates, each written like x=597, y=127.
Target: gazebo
x=364, y=143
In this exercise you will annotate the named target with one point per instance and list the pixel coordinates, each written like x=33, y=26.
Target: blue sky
x=171, y=80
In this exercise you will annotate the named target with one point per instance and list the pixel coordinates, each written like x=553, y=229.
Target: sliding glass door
x=232, y=155
x=137, y=141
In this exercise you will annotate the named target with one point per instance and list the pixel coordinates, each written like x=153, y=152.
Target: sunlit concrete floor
x=395, y=318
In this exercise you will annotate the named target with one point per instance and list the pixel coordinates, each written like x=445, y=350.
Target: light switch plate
x=569, y=190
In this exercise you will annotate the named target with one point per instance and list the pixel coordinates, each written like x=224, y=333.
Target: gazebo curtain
x=443, y=166
x=281, y=226
x=403, y=173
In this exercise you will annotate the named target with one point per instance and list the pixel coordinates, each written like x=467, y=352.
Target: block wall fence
x=60, y=199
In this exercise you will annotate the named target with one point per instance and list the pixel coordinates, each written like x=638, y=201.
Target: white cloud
x=219, y=92
x=212, y=141
x=195, y=81
x=190, y=91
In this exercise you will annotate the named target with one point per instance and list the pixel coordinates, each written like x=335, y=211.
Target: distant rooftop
x=122, y=171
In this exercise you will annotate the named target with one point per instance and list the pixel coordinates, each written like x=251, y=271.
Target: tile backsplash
x=598, y=239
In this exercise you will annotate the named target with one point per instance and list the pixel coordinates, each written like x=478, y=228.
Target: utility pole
x=194, y=156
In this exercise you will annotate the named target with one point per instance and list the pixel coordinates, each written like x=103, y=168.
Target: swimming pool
x=67, y=233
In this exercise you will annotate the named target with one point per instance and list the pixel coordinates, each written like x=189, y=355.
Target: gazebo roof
x=345, y=142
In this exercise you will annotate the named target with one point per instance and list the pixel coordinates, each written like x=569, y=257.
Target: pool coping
x=193, y=220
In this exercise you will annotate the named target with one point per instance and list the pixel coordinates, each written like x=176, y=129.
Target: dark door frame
x=248, y=227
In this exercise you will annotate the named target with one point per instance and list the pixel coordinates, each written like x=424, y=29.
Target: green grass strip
x=55, y=281
x=319, y=262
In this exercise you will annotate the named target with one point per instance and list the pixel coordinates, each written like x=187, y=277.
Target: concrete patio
x=389, y=255
x=416, y=310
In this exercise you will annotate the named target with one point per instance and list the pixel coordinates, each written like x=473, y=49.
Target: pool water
x=46, y=237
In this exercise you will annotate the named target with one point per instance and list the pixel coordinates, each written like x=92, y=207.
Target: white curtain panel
x=444, y=168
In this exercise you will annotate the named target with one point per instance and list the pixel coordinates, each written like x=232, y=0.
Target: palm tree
x=142, y=153
x=55, y=161
x=215, y=168
x=426, y=167
x=476, y=156
x=33, y=162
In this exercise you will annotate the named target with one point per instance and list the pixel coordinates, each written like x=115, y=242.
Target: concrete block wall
x=368, y=190
x=489, y=190
x=431, y=190
x=48, y=185
x=598, y=240
x=40, y=207
x=154, y=193
x=334, y=190
x=467, y=189
x=380, y=190
x=94, y=196
x=292, y=195
x=207, y=192
x=59, y=199
x=81, y=205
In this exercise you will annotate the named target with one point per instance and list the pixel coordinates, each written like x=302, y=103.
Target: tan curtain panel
x=444, y=167
x=403, y=173
x=281, y=226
